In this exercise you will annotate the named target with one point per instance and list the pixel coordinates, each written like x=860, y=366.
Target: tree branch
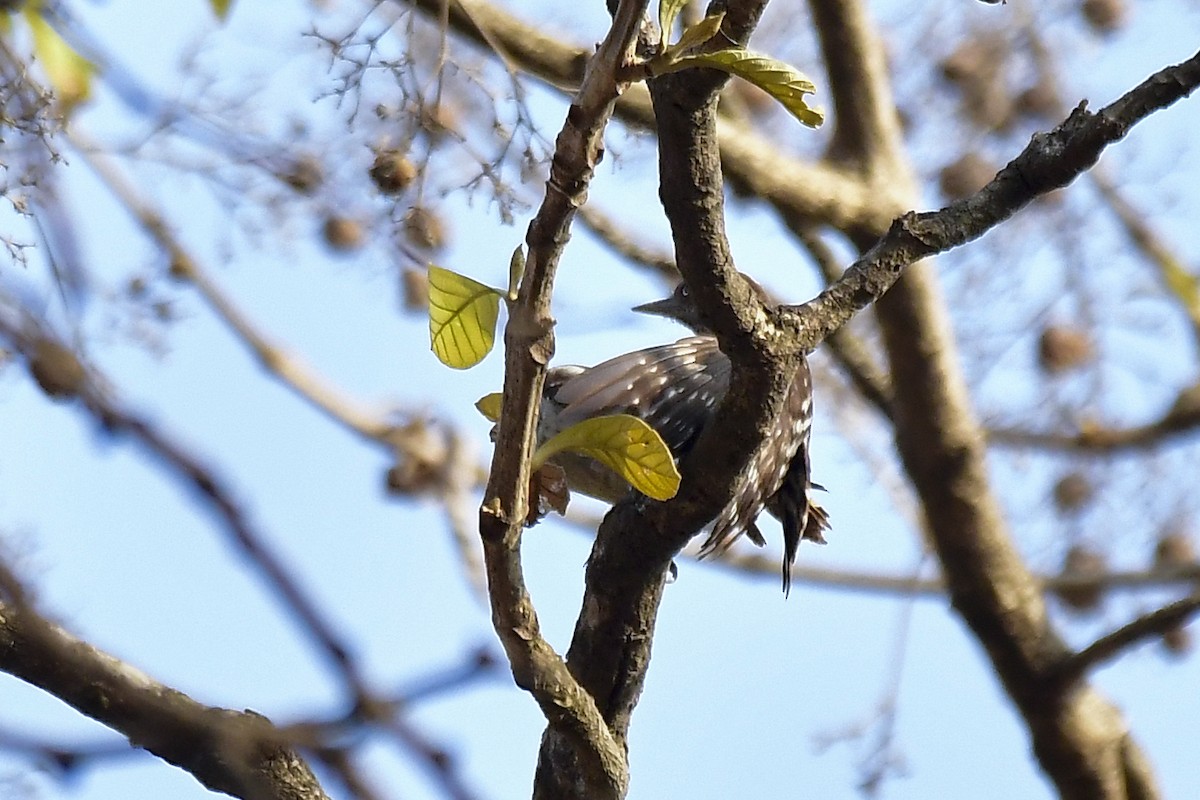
x=1181, y=420
x=239, y=753
x=610, y=650
x=1050, y=161
x=288, y=368
x=1109, y=646
x=571, y=712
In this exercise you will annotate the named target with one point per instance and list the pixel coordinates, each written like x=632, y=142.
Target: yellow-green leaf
x=489, y=405
x=462, y=318
x=624, y=444
x=220, y=8
x=699, y=33
x=668, y=10
x=69, y=73
x=516, y=268
x=777, y=78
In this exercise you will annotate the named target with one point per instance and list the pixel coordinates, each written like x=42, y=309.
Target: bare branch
x=1050, y=161
x=443, y=456
x=1082, y=744
x=239, y=753
x=1181, y=420
x=529, y=343
x=1111, y=645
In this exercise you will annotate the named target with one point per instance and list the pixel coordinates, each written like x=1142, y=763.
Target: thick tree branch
x=239, y=753
x=571, y=711
x=864, y=119
x=610, y=650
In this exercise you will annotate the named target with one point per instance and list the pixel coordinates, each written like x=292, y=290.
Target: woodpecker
x=676, y=389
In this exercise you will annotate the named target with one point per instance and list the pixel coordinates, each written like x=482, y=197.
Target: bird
x=676, y=389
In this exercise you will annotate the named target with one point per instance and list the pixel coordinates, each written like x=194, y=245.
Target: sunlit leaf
x=516, y=268
x=777, y=78
x=668, y=10
x=624, y=444
x=69, y=73
x=221, y=8
x=699, y=33
x=462, y=318
x=489, y=405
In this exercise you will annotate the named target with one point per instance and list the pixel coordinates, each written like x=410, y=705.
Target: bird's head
x=681, y=306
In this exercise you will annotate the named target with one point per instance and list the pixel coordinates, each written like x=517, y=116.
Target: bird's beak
x=661, y=308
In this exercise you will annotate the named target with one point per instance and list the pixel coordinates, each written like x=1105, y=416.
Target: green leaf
x=777, y=78
x=668, y=10
x=489, y=406
x=221, y=8
x=516, y=268
x=462, y=318
x=699, y=33
x=69, y=73
x=624, y=444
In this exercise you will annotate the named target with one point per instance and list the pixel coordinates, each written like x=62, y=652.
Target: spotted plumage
x=676, y=389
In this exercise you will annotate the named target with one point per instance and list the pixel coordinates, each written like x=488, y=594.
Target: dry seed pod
x=56, y=369
x=1174, y=549
x=1105, y=16
x=343, y=234
x=1177, y=641
x=1061, y=348
x=1080, y=563
x=423, y=228
x=414, y=287
x=1039, y=100
x=305, y=175
x=1072, y=492
x=392, y=172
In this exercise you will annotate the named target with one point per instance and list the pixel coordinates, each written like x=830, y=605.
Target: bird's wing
x=673, y=387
